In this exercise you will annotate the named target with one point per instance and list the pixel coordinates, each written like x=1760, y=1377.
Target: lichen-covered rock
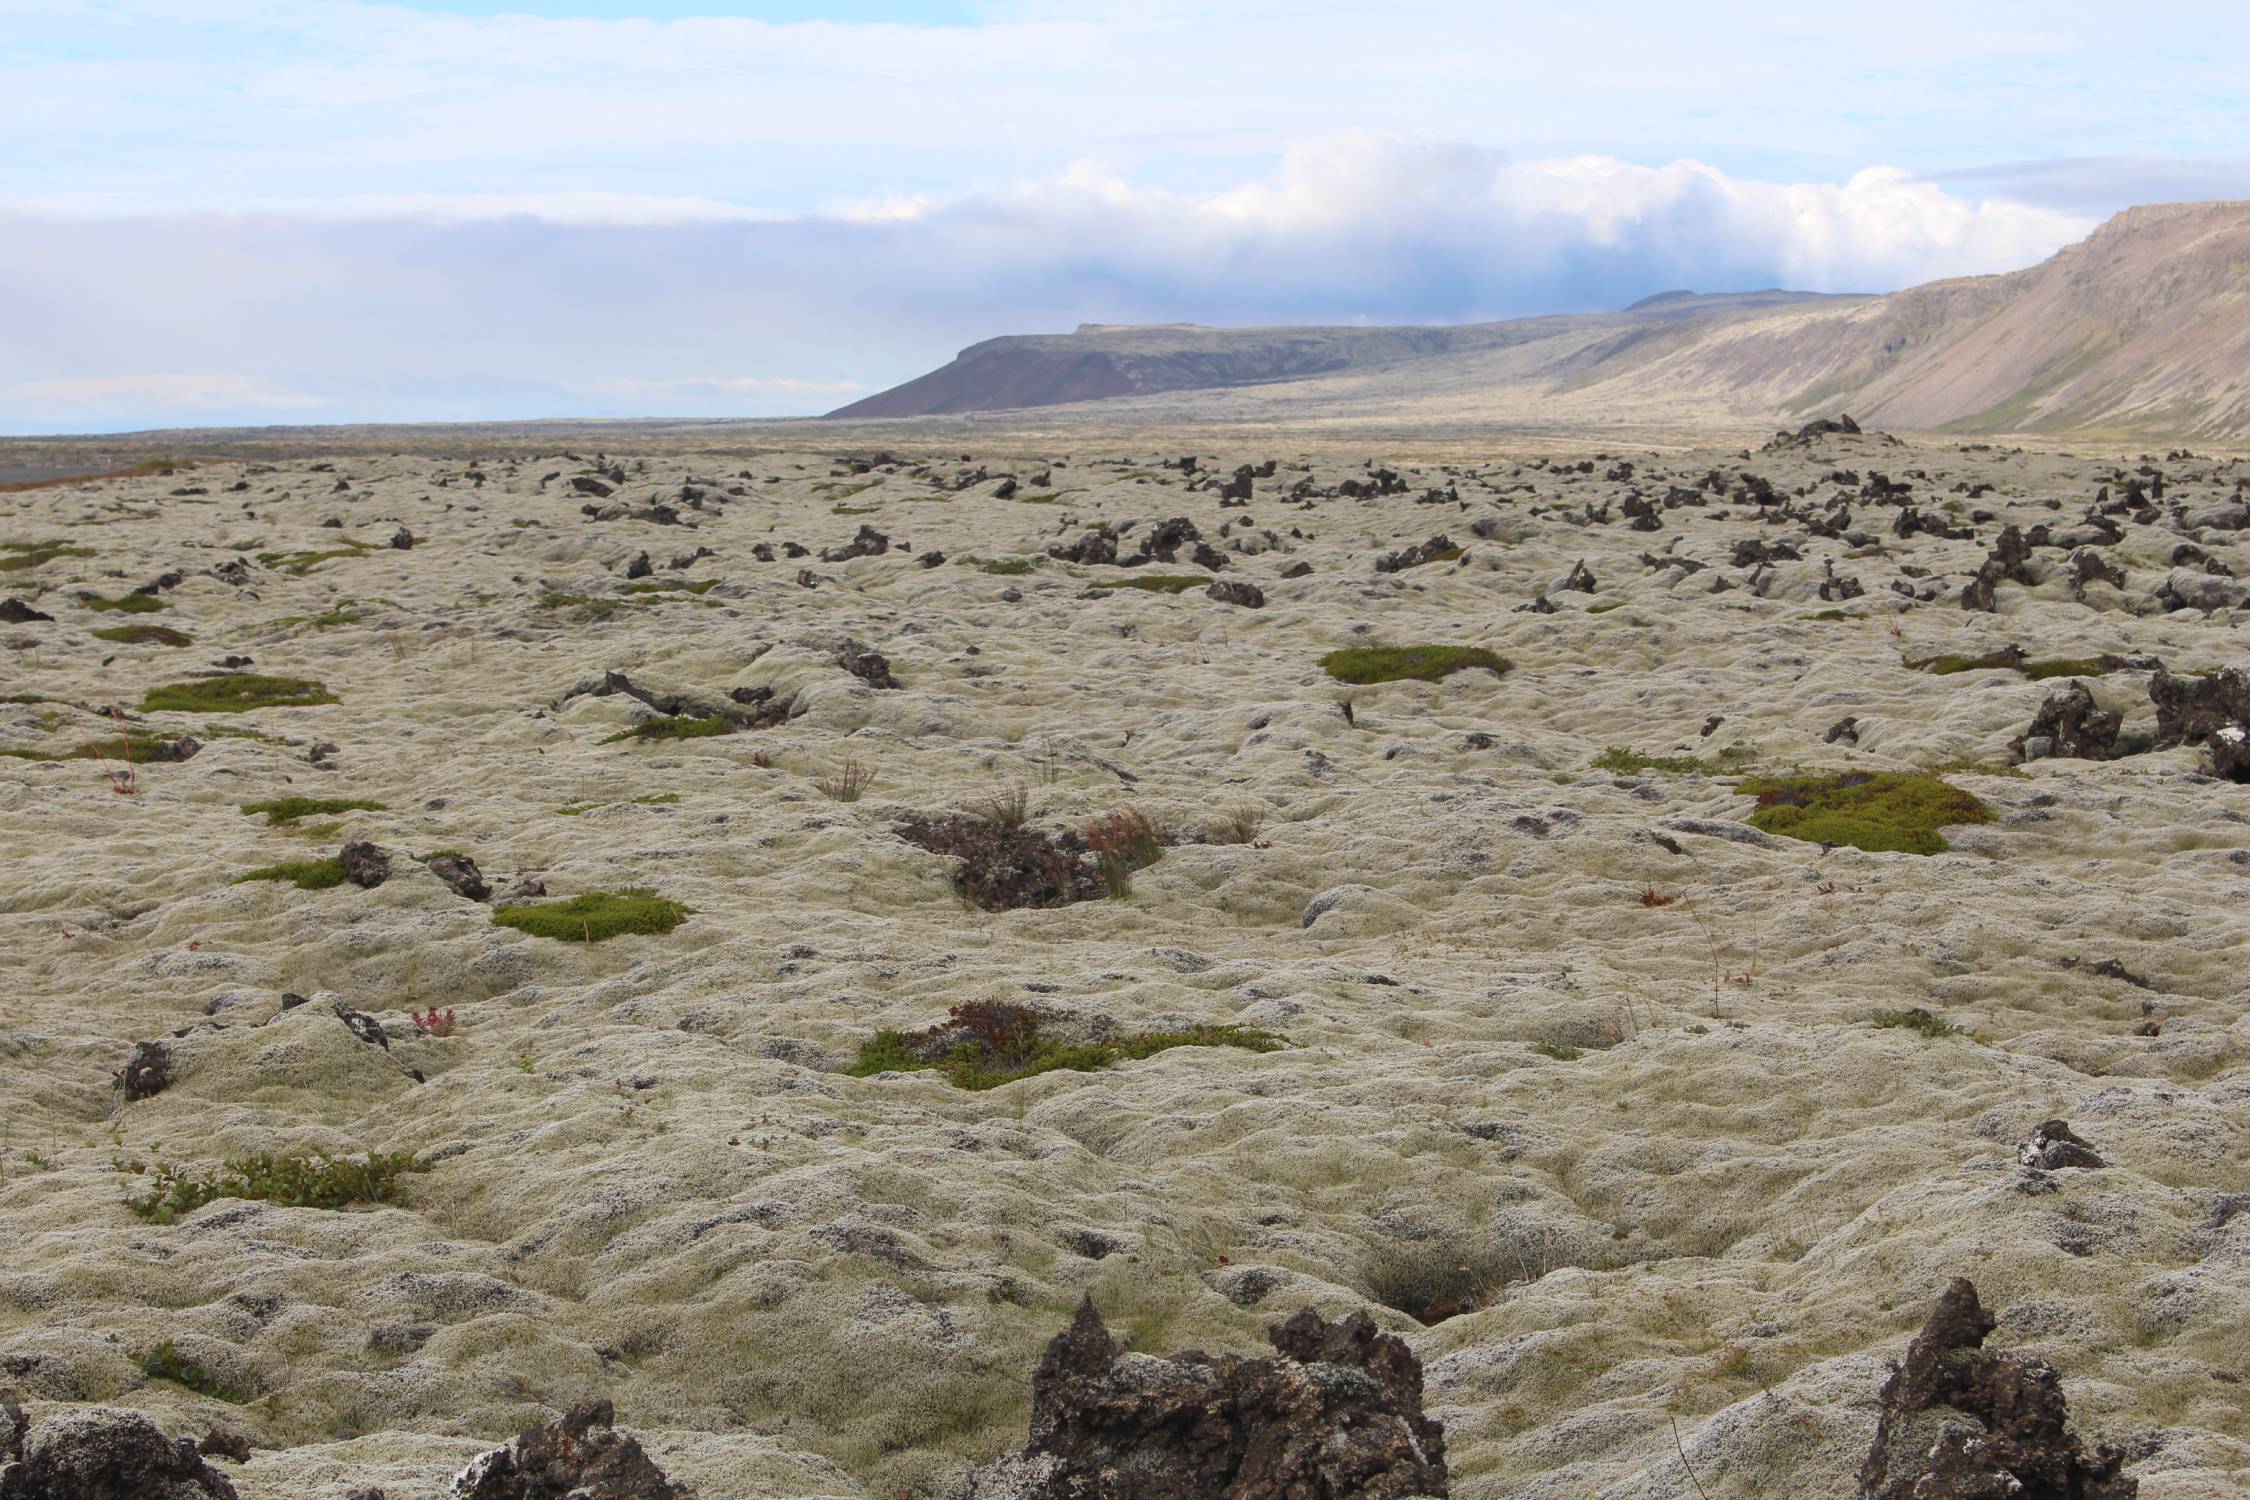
x=1337, y=1416
x=2070, y=725
x=577, y=1456
x=1962, y=1424
x=100, y=1453
x=366, y=865
x=460, y=872
x=2054, y=1146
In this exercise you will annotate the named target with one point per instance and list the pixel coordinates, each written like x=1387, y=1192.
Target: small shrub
x=1366, y=665
x=1919, y=1021
x=431, y=1023
x=847, y=782
x=235, y=693
x=595, y=916
x=1008, y=806
x=305, y=875
x=166, y=1362
x=317, y=1181
x=1892, y=812
x=282, y=811
x=1237, y=825
x=1122, y=842
x=144, y=635
x=1651, y=896
x=674, y=727
x=129, y=604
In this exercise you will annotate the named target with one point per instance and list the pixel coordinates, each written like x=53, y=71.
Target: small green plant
x=234, y=693
x=166, y=1362
x=283, y=811
x=1888, y=813
x=1157, y=583
x=595, y=916
x=316, y=1181
x=129, y=604
x=675, y=727
x=1559, y=1051
x=144, y=635
x=987, y=1044
x=1366, y=665
x=15, y=557
x=1919, y=1021
x=304, y=874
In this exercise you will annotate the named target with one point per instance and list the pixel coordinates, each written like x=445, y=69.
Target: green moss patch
x=1005, y=567
x=1364, y=665
x=1889, y=813
x=674, y=727
x=1157, y=583
x=282, y=811
x=144, y=635
x=138, y=748
x=304, y=874
x=317, y=1181
x=15, y=557
x=594, y=916
x=236, y=693
x=700, y=586
x=1919, y=1021
x=1632, y=763
x=130, y=604
x=987, y=1044
x=166, y=1362
x=298, y=564
x=2011, y=659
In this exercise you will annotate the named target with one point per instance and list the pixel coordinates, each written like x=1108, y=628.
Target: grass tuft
x=1889, y=813
x=595, y=916
x=1365, y=665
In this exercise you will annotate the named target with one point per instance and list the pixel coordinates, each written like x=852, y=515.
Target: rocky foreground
x=1096, y=974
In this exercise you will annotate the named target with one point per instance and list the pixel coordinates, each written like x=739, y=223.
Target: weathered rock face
x=577, y=1456
x=2213, y=711
x=2054, y=1145
x=366, y=865
x=2070, y=725
x=1338, y=1416
x=2007, y=563
x=460, y=872
x=1961, y=1424
x=147, y=1071
x=99, y=1453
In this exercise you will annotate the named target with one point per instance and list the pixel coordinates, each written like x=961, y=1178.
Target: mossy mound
x=144, y=635
x=1007, y=567
x=1365, y=665
x=130, y=604
x=594, y=916
x=236, y=693
x=1632, y=763
x=2012, y=659
x=282, y=811
x=986, y=1044
x=1889, y=813
x=298, y=564
x=304, y=874
x=1157, y=583
x=674, y=727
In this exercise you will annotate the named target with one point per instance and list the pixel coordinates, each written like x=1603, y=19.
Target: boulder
x=100, y=1453
x=577, y=1456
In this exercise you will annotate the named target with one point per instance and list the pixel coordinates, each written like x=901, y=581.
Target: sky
x=242, y=212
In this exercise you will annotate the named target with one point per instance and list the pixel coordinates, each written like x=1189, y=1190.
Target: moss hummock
x=144, y=635
x=594, y=916
x=304, y=874
x=282, y=811
x=1889, y=813
x=1365, y=665
x=1157, y=583
x=987, y=1045
x=236, y=693
x=130, y=604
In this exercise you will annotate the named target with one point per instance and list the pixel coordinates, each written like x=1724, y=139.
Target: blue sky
x=302, y=210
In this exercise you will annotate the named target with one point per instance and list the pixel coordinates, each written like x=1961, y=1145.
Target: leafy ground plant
x=234, y=693
x=304, y=874
x=283, y=811
x=1888, y=813
x=986, y=1043
x=316, y=1181
x=1366, y=665
x=595, y=916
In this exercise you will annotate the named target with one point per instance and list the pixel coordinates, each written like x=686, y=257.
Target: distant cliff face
x=2142, y=327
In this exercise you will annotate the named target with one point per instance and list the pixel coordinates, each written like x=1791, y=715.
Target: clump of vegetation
x=1008, y=806
x=1559, y=1051
x=1122, y=842
x=144, y=635
x=1632, y=763
x=129, y=604
x=1366, y=665
x=1237, y=825
x=316, y=1181
x=235, y=693
x=848, y=782
x=166, y=1362
x=282, y=811
x=595, y=916
x=133, y=746
x=1893, y=812
x=298, y=564
x=304, y=874
x=986, y=1043
x=648, y=586
x=675, y=727
x=1157, y=583
x=1005, y=567
x=2013, y=659
x=15, y=557
x=1919, y=1021
x=591, y=609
